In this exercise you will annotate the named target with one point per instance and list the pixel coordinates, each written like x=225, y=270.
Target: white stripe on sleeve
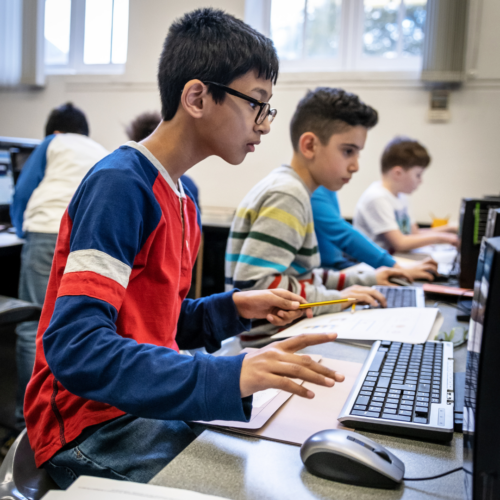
x=100, y=263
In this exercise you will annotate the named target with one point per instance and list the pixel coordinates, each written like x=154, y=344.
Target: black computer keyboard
x=398, y=296
x=401, y=387
x=402, y=382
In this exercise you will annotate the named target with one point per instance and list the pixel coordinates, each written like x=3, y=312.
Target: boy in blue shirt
x=338, y=240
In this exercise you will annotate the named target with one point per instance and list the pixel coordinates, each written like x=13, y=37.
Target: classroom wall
x=464, y=150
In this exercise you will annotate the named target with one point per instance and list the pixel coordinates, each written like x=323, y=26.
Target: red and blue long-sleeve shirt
x=115, y=312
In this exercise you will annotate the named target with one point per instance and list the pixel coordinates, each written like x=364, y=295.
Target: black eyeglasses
x=265, y=108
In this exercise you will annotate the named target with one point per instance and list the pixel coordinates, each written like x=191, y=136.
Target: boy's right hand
x=424, y=270
x=273, y=367
x=450, y=238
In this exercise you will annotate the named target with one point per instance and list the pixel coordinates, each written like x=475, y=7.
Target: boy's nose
x=354, y=167
x=264, y=127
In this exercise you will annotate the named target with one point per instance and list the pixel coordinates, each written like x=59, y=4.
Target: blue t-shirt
x=336, y=236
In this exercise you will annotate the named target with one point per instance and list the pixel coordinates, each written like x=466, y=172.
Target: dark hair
x=143, y=125
x=210, y=45
x=406, y=153
x=326, y=111
x=67, y=119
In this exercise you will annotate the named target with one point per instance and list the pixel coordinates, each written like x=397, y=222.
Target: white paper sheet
x=96, y=488
x=404, y=324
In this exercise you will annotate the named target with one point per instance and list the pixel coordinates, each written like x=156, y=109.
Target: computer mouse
x=399, y=281
x=348, y=457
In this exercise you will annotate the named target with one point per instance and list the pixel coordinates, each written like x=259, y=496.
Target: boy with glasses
x=110, y=395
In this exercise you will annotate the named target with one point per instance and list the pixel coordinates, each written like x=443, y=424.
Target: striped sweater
x=272, y=244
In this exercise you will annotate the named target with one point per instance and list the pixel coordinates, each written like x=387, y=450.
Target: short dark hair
x=326, y=111
x=67, y=119
x=210, y=45
x=404, y=152
x=143, y=126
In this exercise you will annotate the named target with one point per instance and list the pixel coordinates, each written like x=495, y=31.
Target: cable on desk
x=433, y=477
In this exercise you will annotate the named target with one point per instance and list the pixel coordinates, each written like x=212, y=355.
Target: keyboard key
x=365, y=393
x=421, y=411
x=371, y=379
x=378, y=360
x=379, y=394
x=422, y=394
x=391, y=406
x=375, y=403
x=405, y=407
x=360, y=407
x=424, y=388
x=419, y=420
x=409, y=393
x=385, y=343
x=404, y=387
x=435, y=400
x=381, y=389
x=423, y=404
x=388, y=411
x=375, y=409
x=420, y=398
x=368, y=384
x=401, y=418
x=394, y=391
x=408, y=398
x=365, y=413
x=362, y=400
x=384, y=382
x=379, y=400
x=404, y=412
x=393, y=401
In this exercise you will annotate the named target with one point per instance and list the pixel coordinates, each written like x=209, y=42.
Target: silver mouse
x=352, y=458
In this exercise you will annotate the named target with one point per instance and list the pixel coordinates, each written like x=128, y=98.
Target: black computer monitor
x=14, y=151
x=481, y=424
x=472, y=229
x=493, y=225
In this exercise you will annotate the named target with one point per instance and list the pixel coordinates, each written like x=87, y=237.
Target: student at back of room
x=110, y=394
x=44, y=189
x=272, y=243
x=382, y=211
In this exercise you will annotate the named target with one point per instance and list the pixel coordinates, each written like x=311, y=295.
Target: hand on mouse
x=383, y=275
x=423, y=270
x=273, y=367
x=364, y=294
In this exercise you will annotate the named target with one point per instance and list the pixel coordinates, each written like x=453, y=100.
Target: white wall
x=465, y=151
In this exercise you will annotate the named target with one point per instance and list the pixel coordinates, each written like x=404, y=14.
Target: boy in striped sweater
x=272, y=243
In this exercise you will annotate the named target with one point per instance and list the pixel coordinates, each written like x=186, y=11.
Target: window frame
x=350, y=58
x=75, y=65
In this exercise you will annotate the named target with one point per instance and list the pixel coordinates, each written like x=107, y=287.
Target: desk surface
x=245, y=468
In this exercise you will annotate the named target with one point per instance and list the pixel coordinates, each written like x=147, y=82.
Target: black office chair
x=12, y=312
x=19, y=477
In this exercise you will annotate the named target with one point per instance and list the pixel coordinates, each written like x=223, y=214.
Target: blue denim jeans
x=36, y=262
x=126, y=448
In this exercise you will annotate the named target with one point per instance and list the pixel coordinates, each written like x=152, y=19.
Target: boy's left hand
x=384, y=273
x=278, y=306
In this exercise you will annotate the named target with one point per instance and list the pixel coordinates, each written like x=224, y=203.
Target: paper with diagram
x=403, y=324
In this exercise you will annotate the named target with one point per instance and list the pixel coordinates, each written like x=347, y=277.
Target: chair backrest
x=19, y=477
x=14, y=311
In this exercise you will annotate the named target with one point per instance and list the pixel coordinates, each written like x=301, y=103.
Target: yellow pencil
x=353, y=308
x=325, y=303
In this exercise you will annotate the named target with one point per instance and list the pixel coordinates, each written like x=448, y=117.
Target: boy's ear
x=307, y=145
x=193, y=96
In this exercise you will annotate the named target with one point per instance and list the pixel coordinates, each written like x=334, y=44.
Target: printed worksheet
x=402, y=324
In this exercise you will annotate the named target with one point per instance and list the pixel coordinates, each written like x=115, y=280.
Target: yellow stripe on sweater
x=276, y=214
